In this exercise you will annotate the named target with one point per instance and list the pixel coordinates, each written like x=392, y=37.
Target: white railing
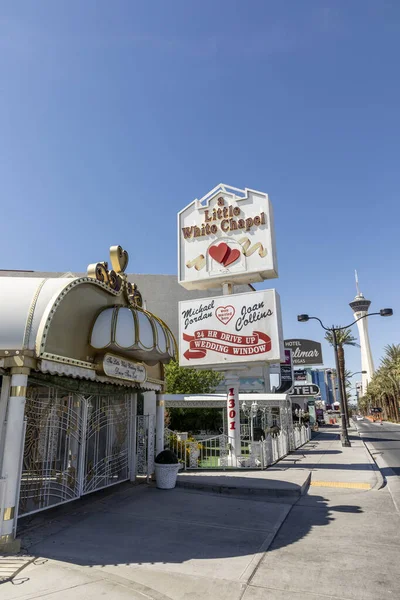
x=213, y=453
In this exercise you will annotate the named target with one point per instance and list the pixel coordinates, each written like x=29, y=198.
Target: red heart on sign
x=220, y=252
x=224, y=313
x=232, y=257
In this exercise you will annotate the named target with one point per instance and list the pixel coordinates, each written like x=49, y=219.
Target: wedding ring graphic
x=248, y=250
x=198, y=263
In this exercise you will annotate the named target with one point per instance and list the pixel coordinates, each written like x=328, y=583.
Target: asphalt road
x=383, y=441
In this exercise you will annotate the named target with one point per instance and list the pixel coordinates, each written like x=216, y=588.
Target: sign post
x=226, y=238
x=233, y=412
x=286, y=374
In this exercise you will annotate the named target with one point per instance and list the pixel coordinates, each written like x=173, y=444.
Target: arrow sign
x=205, y=340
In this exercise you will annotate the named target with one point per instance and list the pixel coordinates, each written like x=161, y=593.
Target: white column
x=12, y=456
x=149, y=403
x=160, y=414
x=132, y=465
x=233, y=412
x=266, y=376
x=5, y=393
x=290, y=425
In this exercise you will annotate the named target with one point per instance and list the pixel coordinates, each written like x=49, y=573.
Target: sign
x=232, y=409
x=228, y=235
x=286, y=374
x=300, y=375
x=233, y=414
x=121, y=368
x=305, y=352
x=306, y=390
x=231, y=330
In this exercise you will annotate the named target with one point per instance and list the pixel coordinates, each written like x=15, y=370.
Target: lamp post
x=356, y=388
x=358, y=373
x=384, y=312
x=250, y=412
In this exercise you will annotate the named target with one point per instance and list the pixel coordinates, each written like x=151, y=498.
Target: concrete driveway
x=139, y=542
x=145, y=542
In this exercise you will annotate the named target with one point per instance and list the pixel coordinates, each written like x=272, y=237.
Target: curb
x=381, y=482
x=391, y=484
x=264, y=493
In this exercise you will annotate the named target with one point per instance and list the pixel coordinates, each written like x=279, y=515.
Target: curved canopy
x=74, y=320
x=123, y=328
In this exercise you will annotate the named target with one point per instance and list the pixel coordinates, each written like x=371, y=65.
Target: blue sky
x=115, y=115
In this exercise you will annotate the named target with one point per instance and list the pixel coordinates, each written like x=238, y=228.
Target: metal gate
x=145, y=444
x=74, y=445
x=107, y=440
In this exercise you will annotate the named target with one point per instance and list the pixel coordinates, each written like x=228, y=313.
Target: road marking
x=341, y=484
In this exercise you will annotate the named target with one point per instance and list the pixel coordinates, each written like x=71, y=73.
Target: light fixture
x=385, y=312
x=302, y=318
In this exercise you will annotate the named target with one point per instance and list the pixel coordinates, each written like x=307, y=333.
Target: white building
x=77, y=354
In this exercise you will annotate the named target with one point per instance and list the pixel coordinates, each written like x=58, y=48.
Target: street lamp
x=357, y=373
x=384, y=312
x=251, y=413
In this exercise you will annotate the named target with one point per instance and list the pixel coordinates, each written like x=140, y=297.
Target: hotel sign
x=286, y=374
x=121, y=368
x=305, y=352
x=231, y=330
x=306, y=390
x=226, y=236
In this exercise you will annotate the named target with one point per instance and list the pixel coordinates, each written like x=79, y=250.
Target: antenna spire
x=357, y=286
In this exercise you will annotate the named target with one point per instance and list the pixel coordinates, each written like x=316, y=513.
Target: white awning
x=133, y=330
x=75, y=320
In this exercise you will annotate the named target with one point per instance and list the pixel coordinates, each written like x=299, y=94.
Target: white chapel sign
x=121, y=368
x=231, y=330
x=228, y=235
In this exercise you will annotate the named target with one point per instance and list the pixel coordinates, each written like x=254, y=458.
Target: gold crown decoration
x=116, y=277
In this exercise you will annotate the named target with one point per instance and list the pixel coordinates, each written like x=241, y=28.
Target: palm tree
x=385, y=384
x=344, y=337
x=392, y=356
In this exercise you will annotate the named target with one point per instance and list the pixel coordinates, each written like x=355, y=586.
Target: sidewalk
x=340, y=540
x=322, y=461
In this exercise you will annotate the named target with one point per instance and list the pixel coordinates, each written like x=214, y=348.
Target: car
x=359, y=418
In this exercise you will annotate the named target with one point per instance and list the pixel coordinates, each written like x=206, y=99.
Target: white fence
x=213, y=452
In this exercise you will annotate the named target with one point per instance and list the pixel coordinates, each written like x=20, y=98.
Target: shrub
x=274, y=430
x=182, y=447
x=258, y=433
x=166, y=457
